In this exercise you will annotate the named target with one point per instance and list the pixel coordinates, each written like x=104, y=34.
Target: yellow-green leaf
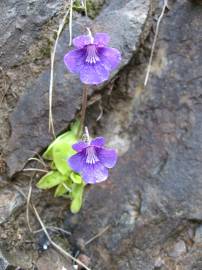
x=76, y=178
x=63, y=188
x=61, y=152
x=77, y=195
x=75, y=127
x=68, y=137
x=50, y=180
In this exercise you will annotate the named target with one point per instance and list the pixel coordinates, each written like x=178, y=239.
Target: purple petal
x=110, y=57
x=108, y=157
x=99, y=142
x=81, y=41
x=77, y=162
x=74, y=60
x=79, y=146
x=93, y=73
x=101, y=39
x=94, y=173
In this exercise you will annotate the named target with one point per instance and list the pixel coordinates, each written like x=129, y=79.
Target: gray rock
x=162, y=166
x=15, y=260
x=51, y=259
x=178, y=249
x=29, y=120
x=192, y=261
x=154, y=193
x=10, y=202
x=198, y=235
x=3, y=262
x=20, y=25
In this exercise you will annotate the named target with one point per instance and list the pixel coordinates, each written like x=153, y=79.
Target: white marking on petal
x=91, y=157
x=92, y=56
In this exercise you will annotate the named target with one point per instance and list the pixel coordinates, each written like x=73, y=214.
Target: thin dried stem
x=87, y=134
x=44, y=228
x=154, y=42
x=56, y=246
x=38, y=160
x=101, y=111
x=83, y=109
x=85, y=7
x=28, y=205
x=60, y=28
x=97, y=235
x=34, y=170
x=53, y=228
x=70, y=22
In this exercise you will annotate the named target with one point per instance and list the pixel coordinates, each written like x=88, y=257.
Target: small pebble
x=178, y=249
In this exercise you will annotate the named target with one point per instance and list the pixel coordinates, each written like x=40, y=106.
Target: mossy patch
x=93, y=7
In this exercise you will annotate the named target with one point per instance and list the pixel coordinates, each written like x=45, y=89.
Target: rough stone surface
x=29, y=120
x=151, y=204
x=20, y=24
x=50, y=260
x=18, y=260
x=3, y=262
x=10, y=201
x=178, y=249
x=198, y=235
x=155, y=190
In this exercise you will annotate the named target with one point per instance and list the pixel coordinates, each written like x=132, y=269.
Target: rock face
x=155, y=191
x=150, y=209
x=10, y=201
x=29, y=120
x=52, y=260
x=20, y=24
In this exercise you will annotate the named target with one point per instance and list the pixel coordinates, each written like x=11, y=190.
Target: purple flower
x=92, y=59
x=92, y=160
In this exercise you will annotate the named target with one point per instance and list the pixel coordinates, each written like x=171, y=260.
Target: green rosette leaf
x=76, y=178
x=61, y=152
x=50, y=180
x=77, y=197
x=63, y=188
x=69, y=138
x=75, y=127
x=48, y=154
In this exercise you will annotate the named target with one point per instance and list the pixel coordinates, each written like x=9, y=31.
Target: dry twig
x=44, y=228
x=97, y=235
x=34, y=170
x=154, y=42
x=59, y=31
x=70, y=22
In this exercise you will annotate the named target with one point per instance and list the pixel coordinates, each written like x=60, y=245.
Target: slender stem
x=87, y=134
x=83, y=110
x=154, y=42
x=85, y=6
x=70, y=22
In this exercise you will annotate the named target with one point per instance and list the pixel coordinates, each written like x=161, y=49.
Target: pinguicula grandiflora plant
x=67, y=183
x=76, y=158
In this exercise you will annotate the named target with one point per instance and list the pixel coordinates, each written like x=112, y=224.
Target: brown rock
x=51, y=259
x=10, y=202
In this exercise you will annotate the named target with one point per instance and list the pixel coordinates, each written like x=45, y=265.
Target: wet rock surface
x=150, y=209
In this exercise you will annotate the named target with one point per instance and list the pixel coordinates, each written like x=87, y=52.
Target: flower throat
x=92, y=57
